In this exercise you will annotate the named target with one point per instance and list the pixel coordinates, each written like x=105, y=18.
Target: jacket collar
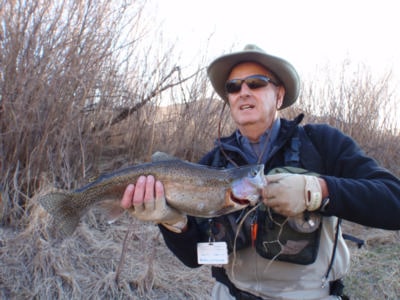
x=287, y=128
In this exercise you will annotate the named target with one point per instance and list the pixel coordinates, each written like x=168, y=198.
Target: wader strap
x=292, y=151
x=354, y=239
x=339, y=221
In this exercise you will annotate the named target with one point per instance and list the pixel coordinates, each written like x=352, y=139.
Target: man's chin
x=246, y=121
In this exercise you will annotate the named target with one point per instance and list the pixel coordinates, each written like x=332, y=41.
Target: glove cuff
x=313, y=193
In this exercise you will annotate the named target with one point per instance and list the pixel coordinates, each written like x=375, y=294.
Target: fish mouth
x=238, y=200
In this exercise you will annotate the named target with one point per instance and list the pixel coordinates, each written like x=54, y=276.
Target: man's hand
x=147, y=202
x=291, y=194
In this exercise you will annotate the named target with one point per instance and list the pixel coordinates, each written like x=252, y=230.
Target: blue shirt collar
x=252, y=151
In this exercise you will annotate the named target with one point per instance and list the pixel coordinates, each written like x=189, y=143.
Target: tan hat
x=218, y=71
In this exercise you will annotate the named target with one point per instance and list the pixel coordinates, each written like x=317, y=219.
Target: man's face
x=254, y=108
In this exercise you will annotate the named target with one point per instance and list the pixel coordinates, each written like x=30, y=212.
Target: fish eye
x=253, y=172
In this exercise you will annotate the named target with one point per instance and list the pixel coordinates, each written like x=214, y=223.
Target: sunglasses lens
x=253, y=82
x=233, y=86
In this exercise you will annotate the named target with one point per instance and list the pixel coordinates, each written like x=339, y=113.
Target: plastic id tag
x=214, y=253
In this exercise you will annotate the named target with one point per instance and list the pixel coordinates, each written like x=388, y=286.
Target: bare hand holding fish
x=148, y=203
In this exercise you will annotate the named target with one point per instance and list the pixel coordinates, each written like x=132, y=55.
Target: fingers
x=126, y=201
x=273, y=203
x=147, y=197
x=143, y=197
x=159, y=190
x=275, y=178
x=148, y=200
x=285, y=193
x=160, y=202
x=272, y=194
x=273, y=187
x=141, y=194
x=138, y=195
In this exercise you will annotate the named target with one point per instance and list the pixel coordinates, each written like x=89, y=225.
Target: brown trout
x=193, y=189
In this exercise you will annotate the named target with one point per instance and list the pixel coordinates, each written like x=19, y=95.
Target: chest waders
x=274, y=231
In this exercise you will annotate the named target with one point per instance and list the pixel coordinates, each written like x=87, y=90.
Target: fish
x=193, y=189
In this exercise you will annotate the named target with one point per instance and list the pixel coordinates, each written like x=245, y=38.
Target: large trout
x=191, y=188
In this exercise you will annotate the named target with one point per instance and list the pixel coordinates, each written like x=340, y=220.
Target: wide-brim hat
x=218, y=71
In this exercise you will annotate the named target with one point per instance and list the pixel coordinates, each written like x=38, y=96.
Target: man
x=290, y=246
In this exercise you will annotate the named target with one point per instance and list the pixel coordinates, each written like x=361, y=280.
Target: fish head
x=247, y=187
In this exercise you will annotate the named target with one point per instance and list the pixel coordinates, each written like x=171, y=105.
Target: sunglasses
x=253, y=82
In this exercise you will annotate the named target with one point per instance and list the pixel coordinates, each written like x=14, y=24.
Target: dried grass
x=375, y=268
x=76, y=101
x=36, y=264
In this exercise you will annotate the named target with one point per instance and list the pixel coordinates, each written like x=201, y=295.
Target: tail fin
x=61, y=207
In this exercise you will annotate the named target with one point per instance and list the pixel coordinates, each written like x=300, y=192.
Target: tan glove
x=155, y=208
x=291, y=194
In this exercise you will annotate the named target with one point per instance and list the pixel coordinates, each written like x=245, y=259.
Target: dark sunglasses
x=253, y=82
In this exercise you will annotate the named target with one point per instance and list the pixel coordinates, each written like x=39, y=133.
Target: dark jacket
x=359, y=189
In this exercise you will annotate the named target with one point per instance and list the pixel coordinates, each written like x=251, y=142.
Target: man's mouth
x=246, y=106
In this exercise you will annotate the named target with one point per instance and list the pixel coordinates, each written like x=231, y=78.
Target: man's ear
x=280, y=96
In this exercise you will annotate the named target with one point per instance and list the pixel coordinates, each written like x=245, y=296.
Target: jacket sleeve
x=360, y=190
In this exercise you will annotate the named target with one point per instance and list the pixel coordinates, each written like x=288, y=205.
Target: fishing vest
x=298, y=152
x=294, y=240
x=273, y=230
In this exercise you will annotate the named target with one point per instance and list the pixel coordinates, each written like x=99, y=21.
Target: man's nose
x=244, y=90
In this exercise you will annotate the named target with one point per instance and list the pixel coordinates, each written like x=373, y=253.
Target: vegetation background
x=83, y=90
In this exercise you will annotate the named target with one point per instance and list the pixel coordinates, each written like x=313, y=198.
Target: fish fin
x=162, y=156
x=60, y=206
x=111, y=209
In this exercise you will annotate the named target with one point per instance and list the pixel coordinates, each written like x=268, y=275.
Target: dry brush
x=79, y=95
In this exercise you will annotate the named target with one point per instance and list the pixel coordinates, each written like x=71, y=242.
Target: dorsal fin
x=162, y=156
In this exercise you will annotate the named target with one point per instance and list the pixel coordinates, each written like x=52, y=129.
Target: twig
x=123, y=252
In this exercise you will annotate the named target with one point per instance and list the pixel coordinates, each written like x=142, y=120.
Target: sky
x=307, y=33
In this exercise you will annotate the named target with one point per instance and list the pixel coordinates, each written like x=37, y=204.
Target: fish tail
x=60, y=205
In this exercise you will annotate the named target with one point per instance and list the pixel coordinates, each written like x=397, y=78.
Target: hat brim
x=219, y=70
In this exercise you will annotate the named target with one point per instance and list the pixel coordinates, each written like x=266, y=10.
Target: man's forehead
x=249, y=68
